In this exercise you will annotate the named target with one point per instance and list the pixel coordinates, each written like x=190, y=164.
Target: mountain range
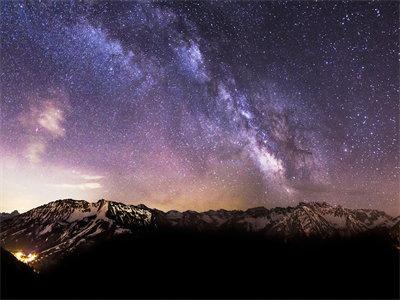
x=62, y=226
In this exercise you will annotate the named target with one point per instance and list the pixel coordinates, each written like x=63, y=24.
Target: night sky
x=200, y=105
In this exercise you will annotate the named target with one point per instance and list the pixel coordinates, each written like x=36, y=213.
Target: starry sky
x=200, y=105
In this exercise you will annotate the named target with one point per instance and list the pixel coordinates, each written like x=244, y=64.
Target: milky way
x=200, y=105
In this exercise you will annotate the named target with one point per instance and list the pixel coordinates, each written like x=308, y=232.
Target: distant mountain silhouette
x=5, y=216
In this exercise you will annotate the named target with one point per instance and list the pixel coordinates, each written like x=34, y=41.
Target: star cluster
x=200, y=105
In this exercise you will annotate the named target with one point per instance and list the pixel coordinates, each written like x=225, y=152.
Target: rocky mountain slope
x=61, y=226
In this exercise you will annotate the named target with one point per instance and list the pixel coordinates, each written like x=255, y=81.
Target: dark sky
x=200, y=105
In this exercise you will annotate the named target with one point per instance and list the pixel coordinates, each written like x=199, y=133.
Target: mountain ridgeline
x=316, y=249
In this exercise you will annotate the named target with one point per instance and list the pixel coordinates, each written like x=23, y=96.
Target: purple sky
x=200, y=105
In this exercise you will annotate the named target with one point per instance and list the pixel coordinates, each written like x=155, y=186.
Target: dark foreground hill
x=18, y=280
x=214, y=265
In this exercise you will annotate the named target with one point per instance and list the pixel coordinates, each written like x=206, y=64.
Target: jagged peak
x=102, y=200
x=62, y=201
x=257, y=209
x=314, y=204
x=142, y=206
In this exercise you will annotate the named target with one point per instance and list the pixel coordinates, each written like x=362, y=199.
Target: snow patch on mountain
x=46, y=229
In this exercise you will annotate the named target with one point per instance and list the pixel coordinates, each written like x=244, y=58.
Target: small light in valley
x=21, y=256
